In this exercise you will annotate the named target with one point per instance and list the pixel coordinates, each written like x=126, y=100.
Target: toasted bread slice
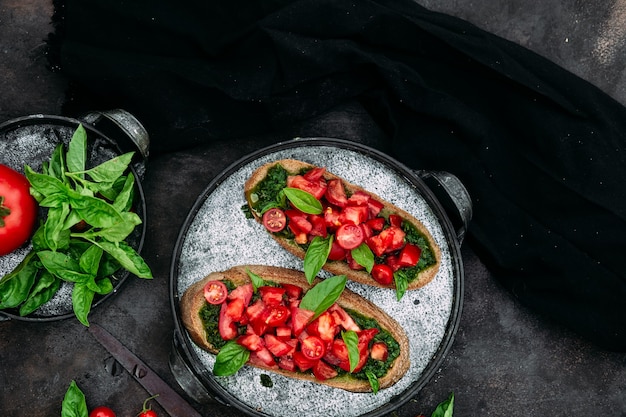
x=294, y=167
x=193, y=300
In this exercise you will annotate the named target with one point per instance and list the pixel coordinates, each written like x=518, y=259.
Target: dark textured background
x=505, y=361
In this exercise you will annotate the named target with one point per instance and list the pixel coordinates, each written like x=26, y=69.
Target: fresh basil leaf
x=53, y=228
x=95, y=211
x=351, y=339
x=323, y=295
x=77, y=151
x=90, y=260
x=105, y=286
x=57, y=167
x=74, y=403
x=445, y=408
x=402, y=283
x=53, y=200
x=23, y=264
x=82, y=297
x=373, y=380
x=15, y=289
x=44, y=184
x=124, y=199
x=364, y=256
x=111, y=169
x=316, y=256
x=62, y=266
x=128, y=258
x=118, y=232
x=44, y=289
x=231, y=357
x=257, y=281
x=303, y=201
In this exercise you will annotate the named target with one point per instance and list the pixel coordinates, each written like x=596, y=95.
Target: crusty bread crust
x=340, y=267
x=193, y=300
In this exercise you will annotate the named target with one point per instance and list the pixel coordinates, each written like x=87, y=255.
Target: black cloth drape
x=541, y=151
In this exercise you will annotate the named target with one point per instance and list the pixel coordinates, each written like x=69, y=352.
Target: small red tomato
x=18, y=210
x=383, y=274
x=274, y=220
x=102, y=412
x=147, y=411
x=215, y=292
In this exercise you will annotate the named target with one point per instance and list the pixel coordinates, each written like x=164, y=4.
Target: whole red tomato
x=18, y=210
x=102, y=412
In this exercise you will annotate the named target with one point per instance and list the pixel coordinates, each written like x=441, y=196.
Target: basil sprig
x=445, y=408
x=323, y=295
x=74, y=403
x=257, y=281
x=231, y=357
x=364, y=256
x=351, y=339
x=316, y=256
x=82, y=240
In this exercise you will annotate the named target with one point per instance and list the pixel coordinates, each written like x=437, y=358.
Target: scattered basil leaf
x=77, y=151
x=316, y=256
x=123, y=201
x=323, y=295
x=303, y=201
x=373, y=380
x=74, y=403
x=364, y=256
x=231, y=357
x=82, y=297
x=351, y=339
x=257, y=281
x=402, y=283
x=43, y=290
x=445, y=408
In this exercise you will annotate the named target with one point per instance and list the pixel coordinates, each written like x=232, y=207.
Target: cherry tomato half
x=274, y=220
x=102, y=412
x=313, y=347
x=215, y=292
x=18, y=210
x=349, y=236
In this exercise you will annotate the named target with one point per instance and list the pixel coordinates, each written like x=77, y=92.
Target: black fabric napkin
x=541, y=151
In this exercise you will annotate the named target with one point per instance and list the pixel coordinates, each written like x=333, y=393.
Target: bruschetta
x=272, y=318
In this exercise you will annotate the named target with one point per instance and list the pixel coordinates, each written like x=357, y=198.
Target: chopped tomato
x=283, y=332
x=355, y=214
x=337, y=253
x=315, y=174
x=317, y=187
x=383, y=274
x=379, y=351
x=359, y=198
x=342, y=318
x=244, y=292
x=263, y=357
x=409, y=255
x=392, y=261
x=298, y=222
x=276, y=346
x=390, y=239
x=313, y=347
x=324, y=326
x=375, y=207
x=395, y=220
x=331, y=217
x=377, y=224
x=271, y=296
x=367, y=231
x=235, y=309
x=277, y=316
x=251, y=341
x=336, y=194
x=299, y=319
x=287, y=363
x=226, y=325
x=215, y=292
x=274, y=220
x=318, y=225
x=349, y=236
x=323, y=371
x=293, y=292
x=302, y=362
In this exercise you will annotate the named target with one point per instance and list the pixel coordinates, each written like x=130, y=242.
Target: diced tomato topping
x=287, y=363
x=331, y=218
x=226, y=326
x=359, y=198
x=389, y=240
x=283, y=332
x=302, y=362
x=375, y=207
x=395, y=220
x=313, y=347
x=293, y=292
x=365, y=337
x=298, y=222
x=277, y=316
x=244, y=292
x=342, y=318
x=336, y=194
x=315, y=187
x=383, y=274
x=315, y=174
x=323, y=371
x=349, y=236
x=299, y=319
x=271, y=296
x=354, y=214
x=257, y=314
x=235, y=309
x=324, y=326
x=376, y=224
x=337, y=253
x=367, y=230
x=276, y=346
x=392, y=261
x=409, y=255
x=318, y=225
x=379, y=351
x=263, y=357
x=251, y=341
